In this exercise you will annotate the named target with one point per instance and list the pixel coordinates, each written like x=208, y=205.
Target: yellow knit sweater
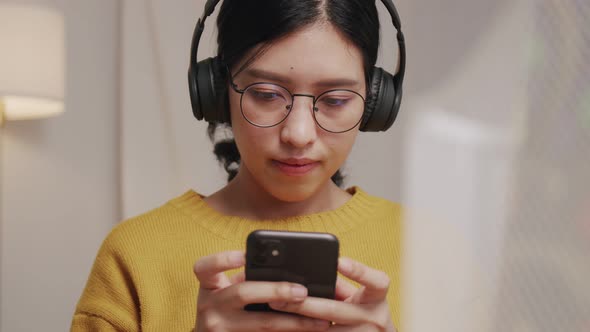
x=142, y=278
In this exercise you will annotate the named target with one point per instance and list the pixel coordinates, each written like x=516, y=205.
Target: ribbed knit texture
x=142, y=278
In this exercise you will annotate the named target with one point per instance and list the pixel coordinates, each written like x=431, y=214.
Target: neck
x=245, y=198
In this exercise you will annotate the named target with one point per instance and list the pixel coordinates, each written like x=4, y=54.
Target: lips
x=296, y=166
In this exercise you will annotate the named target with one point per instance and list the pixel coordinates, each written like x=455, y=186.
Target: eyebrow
x=329, y=83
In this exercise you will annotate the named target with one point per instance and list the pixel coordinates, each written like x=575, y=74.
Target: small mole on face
x=291, y=68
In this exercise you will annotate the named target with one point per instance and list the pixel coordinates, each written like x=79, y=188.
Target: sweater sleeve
x=109, y=301
x=87, y=322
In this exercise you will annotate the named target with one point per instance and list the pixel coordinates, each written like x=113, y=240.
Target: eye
x=334, y=102
x=336, y=99
x=266, y=93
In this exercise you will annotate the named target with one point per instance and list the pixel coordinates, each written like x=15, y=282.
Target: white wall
x=165, y=150
x=59, y=179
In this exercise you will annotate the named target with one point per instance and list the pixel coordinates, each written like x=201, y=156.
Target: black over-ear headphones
x=208, y=86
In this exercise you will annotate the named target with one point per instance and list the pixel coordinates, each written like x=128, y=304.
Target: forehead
x=316, y=53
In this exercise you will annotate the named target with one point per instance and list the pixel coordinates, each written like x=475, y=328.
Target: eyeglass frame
x=290, y=108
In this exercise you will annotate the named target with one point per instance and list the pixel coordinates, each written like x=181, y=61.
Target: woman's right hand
x=221, y=301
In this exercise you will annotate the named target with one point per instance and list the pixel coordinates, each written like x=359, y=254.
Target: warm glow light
x=32, y=61
x=27, y=108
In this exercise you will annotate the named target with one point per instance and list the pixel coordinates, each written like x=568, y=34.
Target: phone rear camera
x=269, y=253
x=260, y=259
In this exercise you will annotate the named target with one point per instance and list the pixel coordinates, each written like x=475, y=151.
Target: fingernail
x=344, y=265
x=299, y=292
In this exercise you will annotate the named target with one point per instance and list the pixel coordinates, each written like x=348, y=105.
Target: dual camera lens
x=269, y=252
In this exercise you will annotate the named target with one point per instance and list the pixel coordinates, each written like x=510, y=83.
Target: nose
x=299, y=128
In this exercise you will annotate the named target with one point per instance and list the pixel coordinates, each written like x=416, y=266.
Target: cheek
x=251, y=139
x=340, y=144
x=248, y=137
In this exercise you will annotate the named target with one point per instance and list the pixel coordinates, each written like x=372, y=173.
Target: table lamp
x=32, y=61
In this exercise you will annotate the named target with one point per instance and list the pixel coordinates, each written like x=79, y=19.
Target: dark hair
x=244, y=24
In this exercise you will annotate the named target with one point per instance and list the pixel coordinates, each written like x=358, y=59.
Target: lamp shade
x=32, y=61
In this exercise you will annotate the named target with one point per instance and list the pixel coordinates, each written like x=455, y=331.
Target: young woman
x=296, y=81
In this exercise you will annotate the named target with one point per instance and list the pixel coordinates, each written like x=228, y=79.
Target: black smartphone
x=309, y=259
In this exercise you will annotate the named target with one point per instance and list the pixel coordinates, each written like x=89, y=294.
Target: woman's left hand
x=362, y=309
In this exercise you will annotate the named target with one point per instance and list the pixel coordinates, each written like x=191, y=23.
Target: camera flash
x=275, y=253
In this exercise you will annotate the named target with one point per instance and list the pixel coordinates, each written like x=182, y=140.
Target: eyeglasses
x=267, y=105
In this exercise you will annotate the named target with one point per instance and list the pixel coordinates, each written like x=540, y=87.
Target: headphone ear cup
x=194, y=92
x=382, y=103
x=219, y=76
x=208, y=90
x=371, y=102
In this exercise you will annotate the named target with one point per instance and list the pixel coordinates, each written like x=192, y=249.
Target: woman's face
x=295, y=159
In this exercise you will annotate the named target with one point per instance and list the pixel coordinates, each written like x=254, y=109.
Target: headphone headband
x=209, y=8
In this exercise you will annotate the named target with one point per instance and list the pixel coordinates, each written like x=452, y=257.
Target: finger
x=325, y=309
x=263, y=321
x=237, y=278
x=376, y=282
x=210, y=269
x=248, y=292
x=344, y=289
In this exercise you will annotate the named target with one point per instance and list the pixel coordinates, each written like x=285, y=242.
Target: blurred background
x=490, y=153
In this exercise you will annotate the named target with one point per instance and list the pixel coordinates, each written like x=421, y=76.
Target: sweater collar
x=338, y=221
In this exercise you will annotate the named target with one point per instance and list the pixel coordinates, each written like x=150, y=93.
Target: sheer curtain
x=165, y=151
x=543, y=284
x=496, y=174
